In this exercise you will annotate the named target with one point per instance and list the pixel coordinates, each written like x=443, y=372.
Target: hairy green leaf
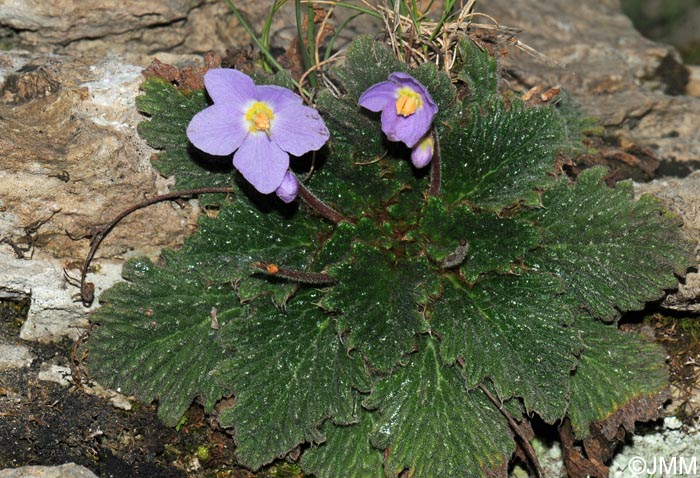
x=478, y=71
x=493, y=242
x=346, y=448
x=356, y=176
x=290, y=372
x=367, y=63
x=614, y=253
x=170, y=112
x=337, y=247
x=165, y=314
x=441, y=90
x=156, y=338
x=616, y=368
x=433, y=426
x=576, y=125
x=380, y=302
x=226, y=247
x=500, y=155
x=514, y=330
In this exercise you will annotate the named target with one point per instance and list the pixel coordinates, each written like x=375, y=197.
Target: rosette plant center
x=460, y=287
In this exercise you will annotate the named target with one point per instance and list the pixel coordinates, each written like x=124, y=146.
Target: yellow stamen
x=261, y=121
x=259, y=116
x=408, y=102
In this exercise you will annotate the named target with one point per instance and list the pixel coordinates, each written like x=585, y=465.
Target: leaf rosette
x=504, y=278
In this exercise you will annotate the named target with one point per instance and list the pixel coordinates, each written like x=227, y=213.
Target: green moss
x=14, y=311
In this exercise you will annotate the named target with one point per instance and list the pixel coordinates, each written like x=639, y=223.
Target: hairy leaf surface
x=613, y=253
x=155, y=337
x=290, y=372
x=226, y=247
x=493, y=242
x=346, y=448
x=500, y=155
x=380, y=303
x=514, y=330
x=433, y=426
x=355, y=176
x=165, y=314
x=367, y=63
x=616, y=368
x=478, y=71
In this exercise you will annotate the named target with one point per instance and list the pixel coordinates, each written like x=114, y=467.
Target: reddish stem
x=87, y=288
x=435, y=167
x=322, y=208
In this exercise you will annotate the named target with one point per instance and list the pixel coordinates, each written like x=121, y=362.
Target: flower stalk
x=435, y=167
x=98, y=233
x=322, y=208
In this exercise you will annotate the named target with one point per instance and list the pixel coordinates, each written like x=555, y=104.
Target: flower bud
x=422, y=152
x=287, y=191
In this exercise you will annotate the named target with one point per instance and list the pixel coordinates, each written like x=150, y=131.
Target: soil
x=44, y=423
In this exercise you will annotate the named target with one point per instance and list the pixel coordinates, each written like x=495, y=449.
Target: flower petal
x=228, y=86
x=219, y=129
x=376, y=97
x=278, y=98
x=298, y=130
x=287, y=191
x=408, y=129
x=404, y=79
x=425, y=114
x=261, y=162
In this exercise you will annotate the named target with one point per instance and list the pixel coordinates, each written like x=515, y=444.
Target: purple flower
x=422, y=153
x=287, y=191
x=262, y=124
x=406, y=106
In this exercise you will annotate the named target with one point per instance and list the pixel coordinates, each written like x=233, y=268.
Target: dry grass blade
x=417, y=44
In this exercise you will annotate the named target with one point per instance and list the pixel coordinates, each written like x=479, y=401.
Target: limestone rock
x=693, y=88
x=69, y=470
x=633, y=86
x=60, y=374
x=66, y=21
x=681, y=196
x=135, y=29
x=72, y=159
x=14, y=356
x=53, y=312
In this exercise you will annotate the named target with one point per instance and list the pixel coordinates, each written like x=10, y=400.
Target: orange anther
x=261, y=121
x=406, y=105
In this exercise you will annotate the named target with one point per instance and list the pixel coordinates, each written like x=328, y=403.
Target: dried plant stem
x=322, y=208
x=524, y=443
x=313, y=278
x=87, y=289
